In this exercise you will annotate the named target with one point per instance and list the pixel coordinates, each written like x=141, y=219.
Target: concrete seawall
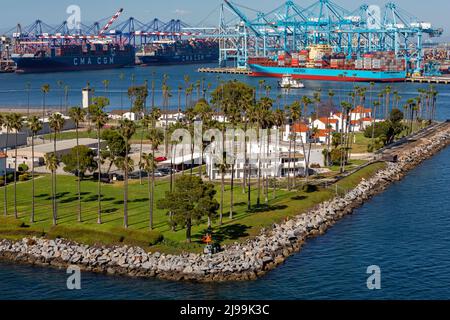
x=238, y=262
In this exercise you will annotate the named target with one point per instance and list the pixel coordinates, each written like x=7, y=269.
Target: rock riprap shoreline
x=238, y=262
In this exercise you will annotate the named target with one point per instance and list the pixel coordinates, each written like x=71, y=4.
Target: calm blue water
x=405, y=231
x=13, y=93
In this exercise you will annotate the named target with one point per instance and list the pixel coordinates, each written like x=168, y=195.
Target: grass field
x=360, y=143
x=244, y=225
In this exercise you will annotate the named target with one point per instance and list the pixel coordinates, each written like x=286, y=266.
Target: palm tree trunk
x=232, y=191
x=32, y=180
x=192, y=158
x=53, y=198
x=222, y=191
x=54, y=194
x=289, y=162
x=5, y=194
x=150, y=203
x=258, y=200
x=140, y=156
x=152, y=194
x=78, y=176
x=15, y=176
x=99, y=182
x=125, y=187
x=306, y=171
x=43, y=109
x=266, y=176
x=293, y=164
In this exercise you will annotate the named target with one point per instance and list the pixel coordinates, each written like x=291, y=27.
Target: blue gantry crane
x=290, y=27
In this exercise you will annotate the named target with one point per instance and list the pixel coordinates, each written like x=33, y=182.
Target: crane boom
x=110, y=22
x=242, y=16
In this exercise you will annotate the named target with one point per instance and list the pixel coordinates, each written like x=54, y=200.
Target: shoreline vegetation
x=163, y=223
x=246, y=260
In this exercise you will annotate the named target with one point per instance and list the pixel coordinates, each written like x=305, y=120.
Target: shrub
x=310, y=188
x=24, y=177
x=23, y=168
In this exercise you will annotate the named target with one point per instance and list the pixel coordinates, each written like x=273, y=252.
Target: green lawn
x=361, y=143
x=244, y=225
x=352, y=165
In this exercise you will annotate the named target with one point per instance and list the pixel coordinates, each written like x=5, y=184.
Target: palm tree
x=78, y=115
x=347, y=107
x=306, y=101
x=295, y=114
x=149, y=165
x=121, y=77
x=127, y=128
x=376, y=105
x=331, y=94
x=262, y=118
x=99, y=118
x=156, y=138
x=145, y=122
x=56, y=123
x=7, y=123
x=35, y=125
x=106, y=83
x=51, y=162
x=261, y=84
x=279, y=120
x=66, y=98
x=16, y=123
x=28, y=88
x=387, y=91
x=45, y=90
x=60, y=84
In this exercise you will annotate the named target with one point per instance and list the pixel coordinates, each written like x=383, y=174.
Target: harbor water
x=14, y=90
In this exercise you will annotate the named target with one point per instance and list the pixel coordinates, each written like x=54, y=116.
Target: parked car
x=104, y=178
x=118, y=177
x=138, y=174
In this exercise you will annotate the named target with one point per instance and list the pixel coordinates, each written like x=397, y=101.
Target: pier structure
x=433, y=80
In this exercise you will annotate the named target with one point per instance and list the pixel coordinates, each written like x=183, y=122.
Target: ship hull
x=177, y=59
x=77, y=63
x=329, y=74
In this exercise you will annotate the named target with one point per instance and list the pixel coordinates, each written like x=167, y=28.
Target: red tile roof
x=325, y=133
x=361, y=109
x=300, y=128
x=329, y=120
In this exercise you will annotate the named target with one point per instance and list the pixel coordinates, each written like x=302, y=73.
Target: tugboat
x=287, y=82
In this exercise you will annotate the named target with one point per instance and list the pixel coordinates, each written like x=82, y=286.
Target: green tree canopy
x=233, y=98
x=87, y=160
x=191, y=201
x=139, y=95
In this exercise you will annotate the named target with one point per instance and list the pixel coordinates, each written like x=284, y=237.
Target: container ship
x=178, y=52
x=75, y=57
x=319, y=63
